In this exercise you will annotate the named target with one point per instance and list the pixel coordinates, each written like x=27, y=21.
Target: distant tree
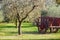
x=54, y=11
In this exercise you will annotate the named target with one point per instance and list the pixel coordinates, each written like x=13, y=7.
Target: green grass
x=29, y=32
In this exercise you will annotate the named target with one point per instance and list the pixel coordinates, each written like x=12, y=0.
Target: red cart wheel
x=53, y=30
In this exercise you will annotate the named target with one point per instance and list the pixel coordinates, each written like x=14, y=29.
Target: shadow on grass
x=24, y=26
x=15, y=26
x=33, y=32
x=7, y=26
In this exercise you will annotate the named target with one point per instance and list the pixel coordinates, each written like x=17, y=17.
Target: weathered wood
x=49, y=22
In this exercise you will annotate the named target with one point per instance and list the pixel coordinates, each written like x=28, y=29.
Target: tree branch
x=28, y=12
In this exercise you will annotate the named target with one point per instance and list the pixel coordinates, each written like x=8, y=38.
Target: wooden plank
x=55, y=27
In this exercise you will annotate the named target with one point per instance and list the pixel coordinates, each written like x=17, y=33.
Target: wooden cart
x=45, y=23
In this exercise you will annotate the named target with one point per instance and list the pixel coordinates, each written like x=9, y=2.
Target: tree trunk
x=19, y=28
x=39, y=29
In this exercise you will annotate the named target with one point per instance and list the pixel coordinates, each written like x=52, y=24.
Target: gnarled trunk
x=19, y=28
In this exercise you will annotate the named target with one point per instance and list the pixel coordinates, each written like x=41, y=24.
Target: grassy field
x=8, y=31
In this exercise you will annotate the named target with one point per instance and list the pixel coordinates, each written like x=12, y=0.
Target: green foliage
x=54, y=11
x=43, y=12
x=1, y=16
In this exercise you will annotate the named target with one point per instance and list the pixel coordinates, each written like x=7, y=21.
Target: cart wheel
x=53, y=30
x=43, y=31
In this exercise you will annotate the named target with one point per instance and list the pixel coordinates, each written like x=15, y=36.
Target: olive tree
x=18, y=10
x=54, y=11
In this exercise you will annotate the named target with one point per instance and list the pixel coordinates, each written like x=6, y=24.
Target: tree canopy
x=18, y=10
